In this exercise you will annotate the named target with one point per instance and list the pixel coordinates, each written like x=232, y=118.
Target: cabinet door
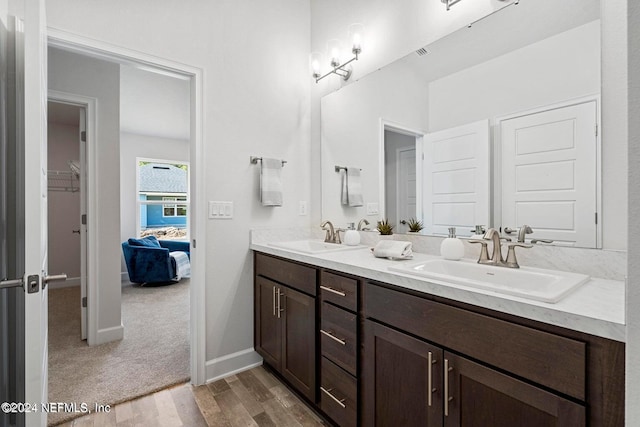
x=402, y=379
x=268, y=329
x=481, y=397
x=299, y=341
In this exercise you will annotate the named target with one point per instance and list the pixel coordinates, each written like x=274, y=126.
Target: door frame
x=405, y=130
x=497, y=155
x=89, y=47
x=91, y=199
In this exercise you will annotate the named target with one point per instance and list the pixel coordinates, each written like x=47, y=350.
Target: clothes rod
x=254, y=160
x=339, y=168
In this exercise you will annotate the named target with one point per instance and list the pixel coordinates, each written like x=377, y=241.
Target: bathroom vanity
x=366, y=346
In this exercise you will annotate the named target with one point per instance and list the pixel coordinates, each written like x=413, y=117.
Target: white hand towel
x=271, y=182
x=395, y=249
x=351, y=187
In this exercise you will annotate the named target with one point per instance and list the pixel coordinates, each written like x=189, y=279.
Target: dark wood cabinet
x=374, y=354
x=402, y=379
x=285, y=326
x=410, y=382
x=482, y=397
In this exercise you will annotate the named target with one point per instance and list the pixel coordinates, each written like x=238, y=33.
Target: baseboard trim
x=109, y=334
x=231, y=364
x=69, y=283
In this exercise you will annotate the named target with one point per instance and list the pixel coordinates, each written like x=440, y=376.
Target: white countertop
x=597, y=307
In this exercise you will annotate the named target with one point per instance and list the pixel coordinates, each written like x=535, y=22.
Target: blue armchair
x=148, y=259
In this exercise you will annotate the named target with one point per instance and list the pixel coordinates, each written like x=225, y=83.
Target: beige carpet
x=154, y=353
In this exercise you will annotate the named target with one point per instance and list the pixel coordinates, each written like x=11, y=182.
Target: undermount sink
x=533, y=283
x=313, y=246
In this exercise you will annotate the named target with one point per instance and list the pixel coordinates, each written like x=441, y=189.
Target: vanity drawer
x=548, y=359
x=340, y=290
x=286, y=272
x=338, y=337
x=338, y=394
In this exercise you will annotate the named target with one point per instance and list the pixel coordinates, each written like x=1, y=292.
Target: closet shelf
x=63, y=181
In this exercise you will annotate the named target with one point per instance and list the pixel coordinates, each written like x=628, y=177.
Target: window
x=174, y=209
x=163, y=199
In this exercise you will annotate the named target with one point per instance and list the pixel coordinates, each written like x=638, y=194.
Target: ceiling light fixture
x=449, y=3
x=334, y=52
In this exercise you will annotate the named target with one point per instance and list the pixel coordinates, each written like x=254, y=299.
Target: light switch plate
x=372, y=209
x=304, y=208
x=220, y=210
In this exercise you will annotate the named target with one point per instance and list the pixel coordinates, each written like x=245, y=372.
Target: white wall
x=632, y=376
x=556, y=69
x=90, y=77
x=256, y=102
x=133, y=146
x=63, y=206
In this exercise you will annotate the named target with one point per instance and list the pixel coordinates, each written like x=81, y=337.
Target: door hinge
x=194, y=243
x=83, y=136
x=596, y=217
x=84, y=219
x=596, y=129
x=84, y=302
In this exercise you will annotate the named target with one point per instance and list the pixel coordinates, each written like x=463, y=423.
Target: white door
x=35, y=183
x=456, y=179
x=406, y=181
x=549, y=174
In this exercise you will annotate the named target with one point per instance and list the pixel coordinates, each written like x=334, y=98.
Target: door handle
x=12, y=283
x=447, y=398
x=75, y=231
x=53, y=278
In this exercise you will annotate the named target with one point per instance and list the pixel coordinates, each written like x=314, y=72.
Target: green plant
x=384, y=227
x=415, y=225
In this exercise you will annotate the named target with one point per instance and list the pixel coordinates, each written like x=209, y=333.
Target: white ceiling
x=154, y=104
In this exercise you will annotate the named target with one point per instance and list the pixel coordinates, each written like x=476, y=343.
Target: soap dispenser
x=351, y=236
x=452, y=248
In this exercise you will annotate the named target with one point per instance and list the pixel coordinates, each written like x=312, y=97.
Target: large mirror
x=492, y=125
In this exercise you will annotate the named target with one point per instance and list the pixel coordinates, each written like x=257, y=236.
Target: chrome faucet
x=333, y=235
x=365, y=222
x=522, y=232
x=492, y=235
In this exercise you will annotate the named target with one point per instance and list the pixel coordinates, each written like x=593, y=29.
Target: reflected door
x=456, y=179
x=549, y=174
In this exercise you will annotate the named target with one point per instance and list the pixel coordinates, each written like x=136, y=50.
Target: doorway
x=194, y=326
x=402, y=183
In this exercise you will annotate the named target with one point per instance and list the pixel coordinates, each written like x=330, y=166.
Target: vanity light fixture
x=334, y=52
x=449, y=3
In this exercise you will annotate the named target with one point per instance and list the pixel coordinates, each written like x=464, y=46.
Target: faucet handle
x=512, y=261
x=484, y=252
x=506, y=239
x=534, y=241
x=337, y=235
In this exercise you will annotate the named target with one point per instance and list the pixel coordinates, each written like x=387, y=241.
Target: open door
x=456, y=179
x=32, y=53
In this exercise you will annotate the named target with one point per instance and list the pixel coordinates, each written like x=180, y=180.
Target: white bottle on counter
x=351, y=236
x=452, y=248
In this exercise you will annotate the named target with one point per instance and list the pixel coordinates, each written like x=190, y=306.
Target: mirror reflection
x=493, y=125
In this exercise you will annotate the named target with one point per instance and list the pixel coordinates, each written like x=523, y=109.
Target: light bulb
x=334, y=50
x=315, y=63
x=356, y=35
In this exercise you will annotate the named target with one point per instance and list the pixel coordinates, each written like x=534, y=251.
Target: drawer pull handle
x=335, y=291
x=274, y=300
x=447, y=398
x=333, y=337
x=328, y=393
x=430, y=362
